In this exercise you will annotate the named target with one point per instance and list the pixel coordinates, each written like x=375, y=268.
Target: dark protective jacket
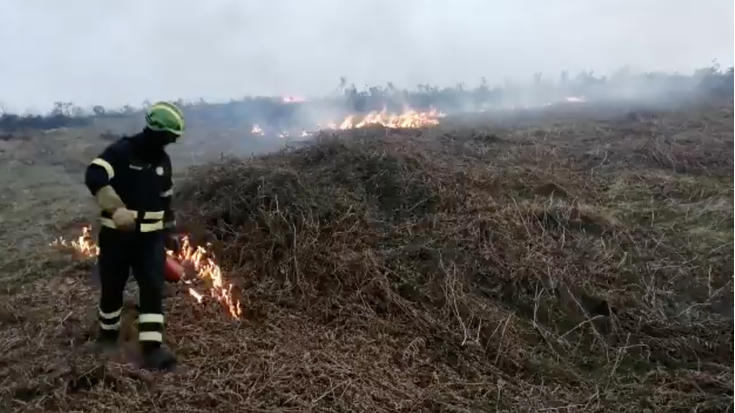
x=141, y=177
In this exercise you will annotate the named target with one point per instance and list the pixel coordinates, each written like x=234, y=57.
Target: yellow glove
x=110, y=201
x=124, y=219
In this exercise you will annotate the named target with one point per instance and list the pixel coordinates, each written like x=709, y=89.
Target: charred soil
x=576, y=264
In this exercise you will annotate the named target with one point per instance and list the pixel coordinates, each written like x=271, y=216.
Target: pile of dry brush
x=499, y=262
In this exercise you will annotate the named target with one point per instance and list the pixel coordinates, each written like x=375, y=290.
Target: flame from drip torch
x=198, y=258
x=207, y=268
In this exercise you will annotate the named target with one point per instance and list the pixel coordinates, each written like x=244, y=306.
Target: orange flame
x=196, y=294
x=82, y=246
x=201, y=260
x=409, y=119
x=207, y=269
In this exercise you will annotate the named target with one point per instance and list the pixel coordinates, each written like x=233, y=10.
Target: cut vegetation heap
x=520, y=266
x=584, y=267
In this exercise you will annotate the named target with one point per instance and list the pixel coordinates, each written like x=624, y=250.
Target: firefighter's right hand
x=124, y=219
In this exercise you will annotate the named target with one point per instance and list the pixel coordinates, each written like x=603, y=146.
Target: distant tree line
x=349, y=99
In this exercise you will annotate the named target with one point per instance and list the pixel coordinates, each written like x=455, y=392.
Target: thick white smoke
x=114, y=53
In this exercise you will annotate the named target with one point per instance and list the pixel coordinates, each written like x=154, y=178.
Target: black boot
x=155, y=357
x=106, y=341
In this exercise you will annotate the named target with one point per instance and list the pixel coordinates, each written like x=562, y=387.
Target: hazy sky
x=116, y=52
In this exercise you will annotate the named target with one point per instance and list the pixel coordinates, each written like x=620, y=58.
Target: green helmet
x=165, y=117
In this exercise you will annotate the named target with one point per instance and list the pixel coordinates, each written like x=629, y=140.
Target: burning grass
x=491, y=269
x=200, y=268
x=408, y=119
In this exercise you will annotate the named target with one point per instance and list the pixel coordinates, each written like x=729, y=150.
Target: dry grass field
x=577, y=261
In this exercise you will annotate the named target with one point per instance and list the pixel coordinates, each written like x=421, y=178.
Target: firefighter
x=131, y=181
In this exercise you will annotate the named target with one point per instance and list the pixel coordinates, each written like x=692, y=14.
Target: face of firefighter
x=150, y=144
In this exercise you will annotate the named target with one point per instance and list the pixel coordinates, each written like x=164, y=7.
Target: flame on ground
x=83, y=246
x=206, y=268
x=201, y=260
x=409, y=119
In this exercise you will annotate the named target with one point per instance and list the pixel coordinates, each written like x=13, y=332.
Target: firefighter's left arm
x=169, y=219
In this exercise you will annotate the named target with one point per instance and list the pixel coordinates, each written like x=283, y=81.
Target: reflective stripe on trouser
x=145, y=254
x=111, y=320
x=150, y=328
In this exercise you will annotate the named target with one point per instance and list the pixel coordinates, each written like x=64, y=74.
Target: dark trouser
x=145, y=254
